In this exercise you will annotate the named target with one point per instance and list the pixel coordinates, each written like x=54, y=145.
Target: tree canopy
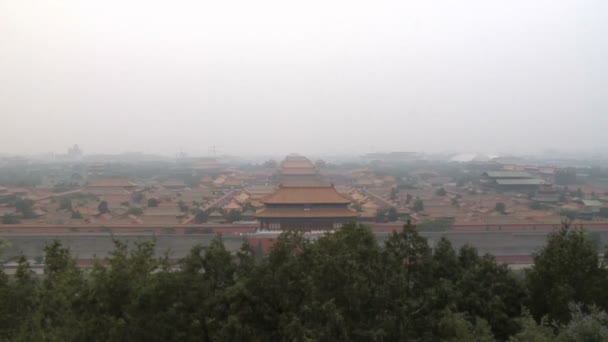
x=568, y=269
x=103, y=207
x=26, y=208
x=344, y=286
x=418, y=205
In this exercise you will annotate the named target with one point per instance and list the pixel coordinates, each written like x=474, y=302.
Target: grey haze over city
x=308, y=77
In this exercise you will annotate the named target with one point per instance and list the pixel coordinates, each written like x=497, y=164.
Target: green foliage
x=566, y=270
x=392, y=215
x=76, y=215
x=532, y=331
x=183, y=207
x=394, y=193
x=201, y=216
x=234, y=215
x=384, y=215
x=10, y=219
x=192, y=181
x=381, y=215
x=591, y=327
x=65, y=186
x=26, y=208
x=135, y=211
x=455, y=327
x=4, y=245
x=408, y=198
x=65, y=204
x=441, y=192
x=153, y=203
x=248, y=207
x=138, y=196
x=582, y=326
x=569, y=214
x=501, y=208
x=19, y=177
x=103, y=207
x=418, y=205
x=343, y=286
x=80, y=196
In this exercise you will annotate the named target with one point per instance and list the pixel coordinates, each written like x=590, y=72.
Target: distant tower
x=214, y=150
x=75, y=152
x=181, y=154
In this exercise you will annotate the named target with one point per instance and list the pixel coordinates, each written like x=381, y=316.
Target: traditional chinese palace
x=305, y=208
x=298, y=170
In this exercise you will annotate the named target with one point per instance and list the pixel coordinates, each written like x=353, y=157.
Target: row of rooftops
x=294, y=170
x=299, y=170
x=306, y=195
x=114, y=191
x=513, y=178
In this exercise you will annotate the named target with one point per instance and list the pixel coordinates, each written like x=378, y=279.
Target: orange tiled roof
x=297, y=164
x=232, y=205
x=306, y=213
x=306, y=195
x=233, y=182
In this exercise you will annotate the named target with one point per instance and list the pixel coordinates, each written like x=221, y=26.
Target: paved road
x=87, y=246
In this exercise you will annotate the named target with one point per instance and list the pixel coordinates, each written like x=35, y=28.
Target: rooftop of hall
x=315, y=194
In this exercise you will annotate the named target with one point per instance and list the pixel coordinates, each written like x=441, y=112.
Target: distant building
x=546, y=194
x=305, y=208
x=298, y=170
x=111, y=183
x=511, y=180
x=75, y=153
x=592, y=206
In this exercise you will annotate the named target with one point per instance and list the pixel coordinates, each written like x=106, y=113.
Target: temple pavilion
x=298, y=170
x=305, y=208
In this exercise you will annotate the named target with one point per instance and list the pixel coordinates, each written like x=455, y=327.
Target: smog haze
x=313, y=76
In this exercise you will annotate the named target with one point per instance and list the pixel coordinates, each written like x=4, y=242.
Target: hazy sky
x=308, y=76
